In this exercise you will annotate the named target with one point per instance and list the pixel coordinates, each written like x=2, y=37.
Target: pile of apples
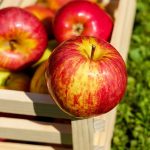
x=61, y=47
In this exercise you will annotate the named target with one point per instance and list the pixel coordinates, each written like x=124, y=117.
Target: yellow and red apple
x=86, y=76
x=51, y=45
x=23, y=39
x=55, y=5
x=38, y=83
x=14, y=81
x=44, y=14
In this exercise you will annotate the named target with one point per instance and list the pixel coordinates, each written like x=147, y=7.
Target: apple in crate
x=22, y=39
x=86, y=76
x=38, y=82
x=82, y=18
x=55, y=5
x=44, y=14
x=14, y=81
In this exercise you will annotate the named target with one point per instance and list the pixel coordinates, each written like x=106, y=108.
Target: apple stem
x=11, y=43
x=92, y=51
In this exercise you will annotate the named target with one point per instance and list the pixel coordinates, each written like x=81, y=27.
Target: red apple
x=86, y=76
x=44, y=14
x=82, y=18
x=22, y=38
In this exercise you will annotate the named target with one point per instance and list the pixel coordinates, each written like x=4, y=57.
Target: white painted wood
x=22, y=146
x=28, y=130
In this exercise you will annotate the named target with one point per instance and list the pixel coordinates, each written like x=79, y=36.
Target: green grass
x=132, y=129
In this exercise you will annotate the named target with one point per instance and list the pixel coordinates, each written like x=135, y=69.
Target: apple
x=44, y=14
x=82, y=18
x=14, y=81
x=55, y=5
x=38, y=83
x=23, y=39
x=51, y=45
x=86, y=76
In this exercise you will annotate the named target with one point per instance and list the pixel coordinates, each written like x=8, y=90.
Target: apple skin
x=14, y=81
x=55, y=5
x=51, y=45
x=44, y=14
x=38, y=82
x=82, y=18
x=23, y=39
x=86, y=76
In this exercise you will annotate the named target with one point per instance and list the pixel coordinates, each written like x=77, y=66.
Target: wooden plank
x=22, y=146
x=25, y=3
x=128, y=27
x=19, y=3
x=27, y=130
x=82, y=134
x=8, y=3
x=119, y=26
x=19, y=102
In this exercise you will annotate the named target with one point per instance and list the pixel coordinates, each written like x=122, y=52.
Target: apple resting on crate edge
x=86, y=76
x=23, y=39
x=82, y=18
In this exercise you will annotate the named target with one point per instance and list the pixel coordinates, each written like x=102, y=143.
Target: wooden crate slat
x=119, y=27
x=82, y=132
x=7, y=3
x=27, y=130
x=26, y=103
x=19, y=3
x=22, y=146
x=25, y=3
x=128, y=26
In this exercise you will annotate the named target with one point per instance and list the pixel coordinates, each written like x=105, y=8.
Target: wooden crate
x=53, y=129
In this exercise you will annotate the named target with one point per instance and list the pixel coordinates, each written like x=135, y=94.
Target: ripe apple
x=14, y=81
x=86, y=76
x=55, y=5
x=44, y=14
x=82, y=18
x=51, y=45
x=22, y=39
x=38, y=83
